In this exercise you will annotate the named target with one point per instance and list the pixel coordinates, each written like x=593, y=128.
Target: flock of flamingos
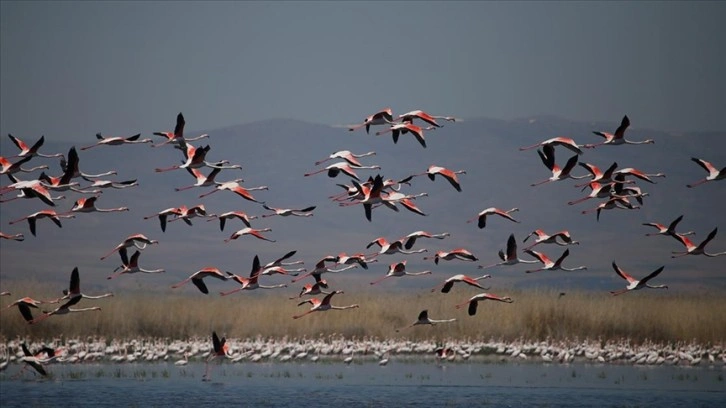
x=616, y=187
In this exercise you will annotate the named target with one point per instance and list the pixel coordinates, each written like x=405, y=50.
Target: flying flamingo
x=598, y=190
x=610, y=204
x=449, y=283
x=557, y=141
x=713, y=173
x=320, y=269
x=669, y=229
x=482, y=216
x=63, y=183
x=597, y=174
x=24, y=306
x=336, y=168
x=390, y=248
x=474, y=301
x=382, y=117
x=11, y=168
x=240, y=215
x=629, y=171
x=195, y=157
x=140, y=241
x=313, y=289
x=346, y=155
x=552, y=266
x=234, y=187
x=114, y=184
x=547, y=154
x=133, y=267
x=406, y=200
x=74, y=291
x=406, y=127
x=542, y=237
x=65, y=309
x=693, y=249
x=250, y=231
x=430, y=119
x=397, y=270
x=14, y=237
x=50, y=214
x=620, y=191
x=423, y=318
x=163, y=214
x=458, y=253
x=634, y=284
x=198, y=276
x=202, y=180
x=186, y=214
x=371, y=195
x=324, y=305
x=87, y=205
x=410, y=239
x=510, y=257
x=618, y=138
x=30, y=189
x=31, y=151
x=32, y=361
x=449, y=175
x=72, y=166
x=284, y=212
x=281, y=261
x=345, y=259
x=220, y=350
x=177, y=137
x=251, y=282
x=116, y=141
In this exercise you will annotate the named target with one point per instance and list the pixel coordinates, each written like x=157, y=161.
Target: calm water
x=368, y=384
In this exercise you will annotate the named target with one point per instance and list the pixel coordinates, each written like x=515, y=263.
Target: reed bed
x=535, y=315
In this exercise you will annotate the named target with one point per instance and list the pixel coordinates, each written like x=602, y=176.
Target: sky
x=72, y=69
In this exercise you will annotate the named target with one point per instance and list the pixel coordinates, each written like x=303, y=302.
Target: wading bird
x=30, y=360
x=423, y=318
x=336, y=168
x=74, y=291
x=618, y=137
x=250, y=283
x=382, y=117
x=410, y=239
x=50, y=214
x=202, y=180
x=449, y=175
x=313, y=289
x=198, y=276
x=397, y=270
x=542, y=237
x=250, y=231
x=24, y=306
x=449, y=283
x=164, y=214
x=406, y=127
x=231, y=215
x=116, y=140
x=220, y=350
x=565, y=142
x=713, y=173
x=612, y=203
x=284, y=212
x=552, y=266
x=693, y=249
x=510, y=257
x=346, y=155
x=234, y=187
x=324, y=305
x=473, y=302
x=88, y=204
x=430, y=119
x=634, y=284
x=31, y=151
x=669, y=229
x=481, y=218
x=72, y=166
x=139, y=241
x=177, y=137
x=458, y=253
x=547, y=154
x=14, y=237
x=65, y=309
x=133, y=267
x=8, y=167
x=390, y=248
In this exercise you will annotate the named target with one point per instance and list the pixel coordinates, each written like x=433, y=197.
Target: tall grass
x=535, y=315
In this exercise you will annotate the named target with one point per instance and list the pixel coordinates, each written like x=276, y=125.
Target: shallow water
x=400, y=383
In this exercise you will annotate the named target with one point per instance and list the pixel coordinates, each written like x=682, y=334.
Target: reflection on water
x=400, y=383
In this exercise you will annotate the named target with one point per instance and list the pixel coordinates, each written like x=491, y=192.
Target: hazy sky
x=71, y=69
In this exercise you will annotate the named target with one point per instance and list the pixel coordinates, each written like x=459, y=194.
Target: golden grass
x=656, y=316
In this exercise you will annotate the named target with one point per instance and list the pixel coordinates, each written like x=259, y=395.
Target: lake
x=400, y=383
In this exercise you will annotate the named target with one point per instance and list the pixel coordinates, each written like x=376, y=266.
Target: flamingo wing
x=623, y=274
x=199, y=283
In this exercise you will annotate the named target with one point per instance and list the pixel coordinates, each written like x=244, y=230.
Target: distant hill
x=277, y=153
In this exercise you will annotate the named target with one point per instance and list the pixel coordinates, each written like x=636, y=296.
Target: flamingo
x=251, y=283
x=713, y=173
x=336, y=168
x=250, y=231
x=510, y=257
x=31, y=151
x=32, y=361
x=458, y=253
x=50, y=214
x=449, y=175
x=14, y=237
x=423, y=318
x=116, y=141
x=177, y=137
x=72, y=166
x=565, y=142
x=620, y=191
x=230, y=215
x=406, y=127
x=482, y=216
x=618, y=138
x=313, y=289
x=629, y=171
x=198, y=276
x=552, y=266
x=634, y=284
x=195, y=157
x=202, y=180
x=449, y=283
x=346, y=155
x=281, y=261
x=234, y=187
x=220, y=350
x=186, y=214
x=324, y=305
x=669, y=229
x=24, y=306
x=612, y=203
x=370, y=195
x=114, y=184
x=410, y=239
x=382, y=117
x=542, y=237
x=345, y=259
x=320, y=269
x=397, y=270
x=63, y=183
x=11, y=168
x=133, y=267
x=65, y=309
x=474, y=301
x=163, y=214
x=430, y=119
x=86, y=205
x=597, y=190
x=406, y=200
x=285, y=212
x=700, y=249
x=597, y=174
x=390, y=248
x=31, y=189
x=547, y=154
x=74, y=292
x=140, y=241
